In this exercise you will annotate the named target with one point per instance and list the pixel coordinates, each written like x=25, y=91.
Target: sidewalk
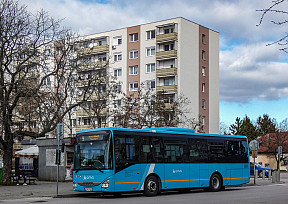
x=39, y=189
x=65, y=189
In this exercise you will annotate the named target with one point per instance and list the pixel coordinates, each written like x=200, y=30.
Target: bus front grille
x=89, y=183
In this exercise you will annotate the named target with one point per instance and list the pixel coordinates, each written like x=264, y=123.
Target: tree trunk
x=7, y=165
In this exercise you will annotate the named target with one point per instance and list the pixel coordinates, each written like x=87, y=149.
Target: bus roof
x=165, y=130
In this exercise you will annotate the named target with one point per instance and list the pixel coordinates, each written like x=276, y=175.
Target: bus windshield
x=93, y=150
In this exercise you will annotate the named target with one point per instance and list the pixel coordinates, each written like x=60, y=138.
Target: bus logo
x=88, y=177
x=177, y=171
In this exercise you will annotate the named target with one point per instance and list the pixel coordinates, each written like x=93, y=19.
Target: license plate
x=88, y=189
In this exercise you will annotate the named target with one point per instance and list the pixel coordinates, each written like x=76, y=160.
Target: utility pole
x=60, y=132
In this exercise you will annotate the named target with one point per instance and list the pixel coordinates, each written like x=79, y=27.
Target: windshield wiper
x=100, y=170
x=76, y=170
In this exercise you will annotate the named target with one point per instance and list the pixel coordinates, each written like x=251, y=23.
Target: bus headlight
x=74, y=184
x=105, y=184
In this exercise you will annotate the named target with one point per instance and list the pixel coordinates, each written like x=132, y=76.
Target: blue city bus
x=118, y=160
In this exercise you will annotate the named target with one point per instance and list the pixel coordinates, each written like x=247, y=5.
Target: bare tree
x=147, y=108
x=38, y=76
x=276, y=8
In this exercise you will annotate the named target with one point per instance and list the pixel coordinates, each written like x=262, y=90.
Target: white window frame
x=133, y=86
x=149, y=68
x=170, y=80
x=117, y=72
x=203, y=87
x=149, y=35
x=150, y=51
x=133, y=38
x=203, y=54
x=133, y=70
x=134, y=54
x=117, y=56
x=203, y=120
x=203, y=104
x=116, y=40
x=151, y=84
x=203, y=71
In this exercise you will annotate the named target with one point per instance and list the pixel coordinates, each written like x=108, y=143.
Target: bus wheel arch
x=216, y=182
x=152, y=185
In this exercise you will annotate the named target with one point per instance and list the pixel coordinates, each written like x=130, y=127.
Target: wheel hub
x=152, y=186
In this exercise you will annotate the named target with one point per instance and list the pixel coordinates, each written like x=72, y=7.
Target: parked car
x=260, y=169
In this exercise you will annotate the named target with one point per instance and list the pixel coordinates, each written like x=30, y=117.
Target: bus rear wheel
x=215, y=183
x=151, y=186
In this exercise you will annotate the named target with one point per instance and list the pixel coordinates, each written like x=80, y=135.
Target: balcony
x=164, y=72
x=94, y=51
x=166, y=37
x=91, y=113
x=167, y=89
x=94, y=81
x=93, y=65
x=83, y=127
x=164, y=55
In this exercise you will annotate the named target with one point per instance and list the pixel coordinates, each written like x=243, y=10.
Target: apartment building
x=174, y=56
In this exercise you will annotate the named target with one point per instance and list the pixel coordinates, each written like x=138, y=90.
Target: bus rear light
x=105, y=184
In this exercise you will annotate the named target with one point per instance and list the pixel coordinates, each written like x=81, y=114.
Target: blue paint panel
x=176, y=176
x=128, y=179
x=89, y=176
x=194, y=175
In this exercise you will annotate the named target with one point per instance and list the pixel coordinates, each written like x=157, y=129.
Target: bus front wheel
x=215, y=183
x=151, y=186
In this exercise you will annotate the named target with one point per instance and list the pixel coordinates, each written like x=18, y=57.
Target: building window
x=169, y=81
x=203, y=54
x=203, y=87
x=133, y=37
x=150, y=68
x=133, y=86
x=169, y=98
x=169, y=47
x=151, y=84
x=87, y=121
x=117, y=103
x=203, y=71
x=203, y=120
x=203, y=103
x=133, y=54
x=150, y=51
x=203, y=38
x=133, y=70
x=117, y=57
x=150, y=34
x=168, y=30
x=118, y=72
x=117, y=40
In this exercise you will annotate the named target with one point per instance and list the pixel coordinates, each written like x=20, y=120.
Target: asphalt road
x=272, y=194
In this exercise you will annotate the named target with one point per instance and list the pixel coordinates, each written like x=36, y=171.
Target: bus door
x=198, y=154
x=127, y=171
x=177, y=167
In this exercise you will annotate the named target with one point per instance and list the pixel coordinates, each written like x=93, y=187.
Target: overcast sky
x=253, y=76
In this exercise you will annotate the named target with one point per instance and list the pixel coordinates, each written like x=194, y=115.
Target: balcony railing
x=90, y=113
x=94, y=51
x=163, y=55
x=166, y=37
x=167, y=89
x=164, y=72
x=94, y=65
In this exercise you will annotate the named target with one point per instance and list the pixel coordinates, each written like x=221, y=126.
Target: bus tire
x=215, y=183
x=151, y=186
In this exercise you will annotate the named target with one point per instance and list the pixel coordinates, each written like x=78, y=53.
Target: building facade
x=174, y=56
